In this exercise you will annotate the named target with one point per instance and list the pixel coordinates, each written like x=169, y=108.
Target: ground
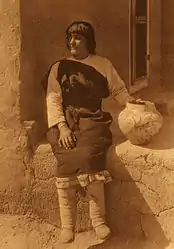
x=26, y=232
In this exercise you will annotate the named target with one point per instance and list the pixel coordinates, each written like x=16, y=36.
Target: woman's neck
x=81, y=57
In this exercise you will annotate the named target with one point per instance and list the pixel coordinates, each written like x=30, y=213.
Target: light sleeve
x=117, y=88
x=55, y=114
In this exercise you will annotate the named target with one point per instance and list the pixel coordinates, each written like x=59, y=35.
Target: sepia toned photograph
x=86, y=124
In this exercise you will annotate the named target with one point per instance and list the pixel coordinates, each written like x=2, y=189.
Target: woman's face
x=77, y=46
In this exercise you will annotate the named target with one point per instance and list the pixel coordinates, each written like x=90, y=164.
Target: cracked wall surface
x=147, y=171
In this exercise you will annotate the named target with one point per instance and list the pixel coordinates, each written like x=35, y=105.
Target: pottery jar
x=139, y=122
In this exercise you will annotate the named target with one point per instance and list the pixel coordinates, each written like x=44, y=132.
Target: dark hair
x=85, y=29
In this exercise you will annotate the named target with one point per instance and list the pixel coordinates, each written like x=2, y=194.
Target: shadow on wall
x=129, y=215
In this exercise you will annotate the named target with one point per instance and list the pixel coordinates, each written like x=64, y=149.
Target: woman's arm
x=55, y=111
x=54, y=100
x=116, y=85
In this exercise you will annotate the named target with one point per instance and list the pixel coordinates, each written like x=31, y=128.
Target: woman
x=79, y=131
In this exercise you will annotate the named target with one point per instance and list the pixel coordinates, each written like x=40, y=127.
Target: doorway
x=139, y=44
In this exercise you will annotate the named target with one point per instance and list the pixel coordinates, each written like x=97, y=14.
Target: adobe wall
x=13, y=182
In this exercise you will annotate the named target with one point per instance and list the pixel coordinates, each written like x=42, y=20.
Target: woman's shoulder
x=103, y=63
x=101, y=59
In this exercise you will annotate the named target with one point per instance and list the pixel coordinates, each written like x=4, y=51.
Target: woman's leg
x=96, y=196
x=67, y=206
x=65, y=188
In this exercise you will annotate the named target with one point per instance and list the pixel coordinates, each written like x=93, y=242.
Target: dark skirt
x=89, y=156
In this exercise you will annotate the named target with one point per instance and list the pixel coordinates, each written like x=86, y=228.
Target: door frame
x=140, y=83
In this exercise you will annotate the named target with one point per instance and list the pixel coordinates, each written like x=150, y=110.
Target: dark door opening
x=139, y=52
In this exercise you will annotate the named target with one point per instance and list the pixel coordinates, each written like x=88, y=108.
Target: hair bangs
x=78, y=28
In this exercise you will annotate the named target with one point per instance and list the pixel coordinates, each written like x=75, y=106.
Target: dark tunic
x=83, y=89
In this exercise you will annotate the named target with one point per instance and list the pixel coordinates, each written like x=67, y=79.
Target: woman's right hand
x=67, y=138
